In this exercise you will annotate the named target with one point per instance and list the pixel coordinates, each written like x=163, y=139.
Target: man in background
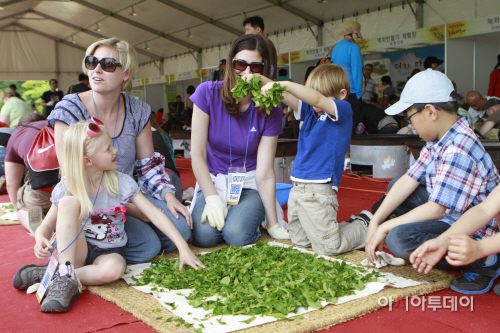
x=51, y=97
x=255, y=26
x=218, y=75
x=14, y=87
x=83, y=86
x=368, y=84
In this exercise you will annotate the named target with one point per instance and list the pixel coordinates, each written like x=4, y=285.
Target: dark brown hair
x=245, y=42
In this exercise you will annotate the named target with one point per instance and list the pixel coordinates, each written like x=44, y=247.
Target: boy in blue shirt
x=324, y=138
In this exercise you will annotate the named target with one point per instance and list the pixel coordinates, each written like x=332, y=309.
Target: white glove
x=51, y=103
x=216, y=211
x=278, y=232
x=384, y=259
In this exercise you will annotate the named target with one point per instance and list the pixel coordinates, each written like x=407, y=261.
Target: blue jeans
x=404, y=239
x=145, y=240
x=417, y=198
x=242, y=222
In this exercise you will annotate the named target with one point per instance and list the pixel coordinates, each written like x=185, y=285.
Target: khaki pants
x=28, y=197
x=492, y=134
x=312, y=221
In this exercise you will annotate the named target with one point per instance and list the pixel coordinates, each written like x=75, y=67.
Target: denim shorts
x=94, y=251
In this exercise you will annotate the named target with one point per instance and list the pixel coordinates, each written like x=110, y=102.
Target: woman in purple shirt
x=228, y=134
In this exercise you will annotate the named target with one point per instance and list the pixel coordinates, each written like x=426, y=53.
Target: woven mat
x=6, y=222
x=141, y=304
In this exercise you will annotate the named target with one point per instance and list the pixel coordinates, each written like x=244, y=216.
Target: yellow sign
x=457, y=29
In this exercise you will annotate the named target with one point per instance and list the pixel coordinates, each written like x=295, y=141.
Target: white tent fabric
x=45, y=39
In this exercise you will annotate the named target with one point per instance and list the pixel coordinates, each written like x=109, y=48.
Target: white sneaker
x=278, y=232
x=347, y=164
x=365, y=217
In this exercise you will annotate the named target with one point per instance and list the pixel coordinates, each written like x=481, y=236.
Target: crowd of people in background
x=98, y=128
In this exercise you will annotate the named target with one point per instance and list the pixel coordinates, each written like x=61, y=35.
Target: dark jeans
x=355, y=106
x=94, y=251
x=406, y=238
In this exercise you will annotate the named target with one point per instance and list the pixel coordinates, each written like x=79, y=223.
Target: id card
x=235, y=181
x=49, y=273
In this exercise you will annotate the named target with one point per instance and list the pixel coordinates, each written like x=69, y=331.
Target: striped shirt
x=458, y=173
x=152, y=179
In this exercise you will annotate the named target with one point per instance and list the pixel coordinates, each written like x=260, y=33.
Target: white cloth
x=220, y=182
x=233, y=323
x=10, y=216
x=383, y=259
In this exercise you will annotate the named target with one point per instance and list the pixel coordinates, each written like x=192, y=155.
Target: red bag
x=43, y=166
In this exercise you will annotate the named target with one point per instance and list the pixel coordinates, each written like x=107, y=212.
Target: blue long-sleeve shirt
x=348, y=55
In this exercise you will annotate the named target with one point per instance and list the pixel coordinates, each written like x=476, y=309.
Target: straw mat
x=141, y=304
x=6, y=222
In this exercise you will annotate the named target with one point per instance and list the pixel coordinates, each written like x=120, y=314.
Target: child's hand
x=41, y=248
x=427, y=255
x=268, y=86
x=187, y=257
x=375, y=243
x=463, y=250
x=249, y=77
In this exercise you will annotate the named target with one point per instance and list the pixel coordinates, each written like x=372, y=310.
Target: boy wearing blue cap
x=453, y=174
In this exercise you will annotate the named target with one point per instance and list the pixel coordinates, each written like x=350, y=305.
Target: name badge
x=51, y=269
x=235, y=181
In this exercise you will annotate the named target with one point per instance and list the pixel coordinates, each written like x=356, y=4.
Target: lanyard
x=248, y=140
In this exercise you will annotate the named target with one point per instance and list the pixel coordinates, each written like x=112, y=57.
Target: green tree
x=33, y=91
x=30, y=91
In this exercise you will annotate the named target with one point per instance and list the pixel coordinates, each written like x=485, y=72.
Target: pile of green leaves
x=271, y=100
x=8, y=208
x=259, y=280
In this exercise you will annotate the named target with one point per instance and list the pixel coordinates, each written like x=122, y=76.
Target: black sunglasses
x=407, y=119
x=255, y=67
x=107, y=64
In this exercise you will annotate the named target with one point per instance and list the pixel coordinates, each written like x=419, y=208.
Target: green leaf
x=225, y=280
x=272, y=281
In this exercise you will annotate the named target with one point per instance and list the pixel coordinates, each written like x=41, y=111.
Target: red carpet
x=20, y=312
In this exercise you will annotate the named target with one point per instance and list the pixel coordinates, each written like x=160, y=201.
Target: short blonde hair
x=7, y=93
x=75, y=147
x=329, y=80
x=127, y=57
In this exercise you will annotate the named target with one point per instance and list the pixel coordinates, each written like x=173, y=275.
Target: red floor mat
x=20, y=312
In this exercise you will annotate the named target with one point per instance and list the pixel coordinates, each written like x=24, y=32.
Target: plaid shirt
x=152, y=177
x=458, y=173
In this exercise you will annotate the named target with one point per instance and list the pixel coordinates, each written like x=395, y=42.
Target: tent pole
x=445, y=48
x=474, y=64
x=56, y=47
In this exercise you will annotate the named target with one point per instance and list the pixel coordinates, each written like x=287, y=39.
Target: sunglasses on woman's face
x=107, y=64
x=255, y=67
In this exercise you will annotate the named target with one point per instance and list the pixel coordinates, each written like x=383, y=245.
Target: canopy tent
x=45, y=39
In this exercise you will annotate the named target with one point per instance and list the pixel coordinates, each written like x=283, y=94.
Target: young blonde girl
x=93, y=193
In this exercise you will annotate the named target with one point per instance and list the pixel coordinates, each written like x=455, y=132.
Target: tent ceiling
x=166, y=25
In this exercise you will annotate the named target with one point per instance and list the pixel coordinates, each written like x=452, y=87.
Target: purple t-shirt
x=208, y=98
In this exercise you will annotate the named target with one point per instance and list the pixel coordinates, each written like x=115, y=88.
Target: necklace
x=117, y=111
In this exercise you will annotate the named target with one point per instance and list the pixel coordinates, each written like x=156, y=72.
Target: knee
x=204, y=237
x=397, y=242
x=235, y=236
x=112, y=271
x=184, y=229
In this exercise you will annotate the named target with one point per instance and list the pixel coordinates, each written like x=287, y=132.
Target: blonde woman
x=94, y=194
x=110, y=65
